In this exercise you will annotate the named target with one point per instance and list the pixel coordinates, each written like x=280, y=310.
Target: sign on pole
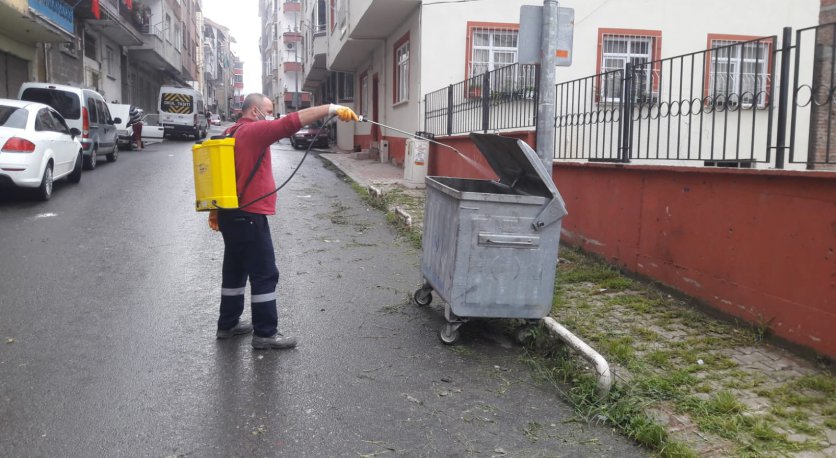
x=531, y=26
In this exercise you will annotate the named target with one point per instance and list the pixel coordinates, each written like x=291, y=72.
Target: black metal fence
x=505, y=98
x=736, y=104
x=704, y=106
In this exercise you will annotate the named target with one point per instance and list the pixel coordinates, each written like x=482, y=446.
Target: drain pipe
x=588, y=353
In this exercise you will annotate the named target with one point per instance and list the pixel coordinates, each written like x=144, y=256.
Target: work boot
x=237, y=330
x=275, y=342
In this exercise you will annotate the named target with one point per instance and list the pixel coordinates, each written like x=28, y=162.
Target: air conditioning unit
x=290, y=45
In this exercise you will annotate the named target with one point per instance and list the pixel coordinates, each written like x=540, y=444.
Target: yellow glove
x=344, y=113
x=213, y=220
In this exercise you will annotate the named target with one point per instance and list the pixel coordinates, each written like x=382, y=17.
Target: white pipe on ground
x=594, y=358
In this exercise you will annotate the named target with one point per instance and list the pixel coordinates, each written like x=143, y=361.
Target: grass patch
x=389, y=200
x=678, y=361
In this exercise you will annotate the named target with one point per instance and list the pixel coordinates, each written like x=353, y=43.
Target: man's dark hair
x=252, y=99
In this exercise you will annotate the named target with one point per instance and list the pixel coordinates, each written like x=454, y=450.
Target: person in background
x=248, y=246
x=135, y=122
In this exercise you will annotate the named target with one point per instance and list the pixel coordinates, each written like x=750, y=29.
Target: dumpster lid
x=519, y=167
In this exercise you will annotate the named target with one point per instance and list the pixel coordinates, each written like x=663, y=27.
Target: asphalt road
x=108, y=303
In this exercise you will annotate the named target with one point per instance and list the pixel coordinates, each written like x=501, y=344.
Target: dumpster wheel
x=423, y=296
x=449, y=333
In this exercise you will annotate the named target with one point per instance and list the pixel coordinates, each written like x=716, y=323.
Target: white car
x=37, y=147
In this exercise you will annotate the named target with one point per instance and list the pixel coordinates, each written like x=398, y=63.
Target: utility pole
x=545, y=109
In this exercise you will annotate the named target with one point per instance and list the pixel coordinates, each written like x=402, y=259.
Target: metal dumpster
x=490, y=247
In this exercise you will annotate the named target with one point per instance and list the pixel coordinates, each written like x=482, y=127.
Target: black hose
x=291, y=175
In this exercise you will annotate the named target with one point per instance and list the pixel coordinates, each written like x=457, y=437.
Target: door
x=108, y=139
x=375, y=94
x=65, y=145
x=152, y=130
x=14, y=71
x=49, y=141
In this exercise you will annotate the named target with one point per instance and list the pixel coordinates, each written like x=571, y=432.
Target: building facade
x=218, y=63
x=27, y=29
x=282, y=50
x=124, y=49
x=381, y=57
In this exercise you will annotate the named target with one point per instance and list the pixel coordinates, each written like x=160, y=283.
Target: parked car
x=308, y=134
x=38, y=147
x=83, y=109
x=182, y=112
x=215, y=120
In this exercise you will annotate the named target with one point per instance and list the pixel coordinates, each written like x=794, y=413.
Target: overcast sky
x=241, y=17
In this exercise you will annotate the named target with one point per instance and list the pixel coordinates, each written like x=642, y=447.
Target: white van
x=182, y=112
x=84, y=109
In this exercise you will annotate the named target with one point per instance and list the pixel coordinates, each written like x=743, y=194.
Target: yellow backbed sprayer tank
x=214, y=174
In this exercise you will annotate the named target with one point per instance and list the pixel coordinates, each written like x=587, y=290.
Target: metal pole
x=449, y=110
x=626, y=117
x=486, y=103
x=781, y=139
x=545, y=110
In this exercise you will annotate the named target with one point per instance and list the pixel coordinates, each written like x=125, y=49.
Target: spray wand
x=365, y=119
x=470, y=161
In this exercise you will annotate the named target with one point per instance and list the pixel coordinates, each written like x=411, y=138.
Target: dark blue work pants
x=248, y=253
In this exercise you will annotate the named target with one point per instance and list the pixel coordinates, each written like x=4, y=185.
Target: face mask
x=260, y=115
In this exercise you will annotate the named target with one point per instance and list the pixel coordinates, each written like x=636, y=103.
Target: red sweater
x=251, y=139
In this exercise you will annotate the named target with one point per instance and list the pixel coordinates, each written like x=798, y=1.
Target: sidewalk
x=686, y=384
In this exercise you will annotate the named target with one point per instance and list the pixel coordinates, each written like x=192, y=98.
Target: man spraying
x=248, y=247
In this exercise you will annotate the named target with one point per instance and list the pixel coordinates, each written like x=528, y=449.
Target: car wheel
x=91, y=160
x=75, y=175
x=45, y=189
x=113, y=156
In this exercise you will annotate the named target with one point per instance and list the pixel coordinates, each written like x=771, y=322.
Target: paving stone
x=756, y=404
x=829, y=433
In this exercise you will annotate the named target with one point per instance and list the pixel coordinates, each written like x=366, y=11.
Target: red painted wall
x=758, y=245
x=397, y=149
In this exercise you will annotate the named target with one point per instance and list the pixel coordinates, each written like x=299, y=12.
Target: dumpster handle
x=595, y=358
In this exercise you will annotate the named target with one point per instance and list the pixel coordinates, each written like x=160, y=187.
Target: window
x=319, y=17
x=168, y=28
x=401, y=75
x=364, y=91
x=92, y=112
x=739, y=70
x=59, y=123
x=345, y=87
x=66, y=103
x=109, y=55
x=178, y=37
x=13, y=118
x=617, y=48
x=43, y=121
x=104, y=112
x=490, y=46
x=90, y=47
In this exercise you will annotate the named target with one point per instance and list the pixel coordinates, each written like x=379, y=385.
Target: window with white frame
x=168, y=28
x=738, y=72
x=491, y=48
x=319, y=14
x=617, y=50
x=178, y=37
x=402, y=72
